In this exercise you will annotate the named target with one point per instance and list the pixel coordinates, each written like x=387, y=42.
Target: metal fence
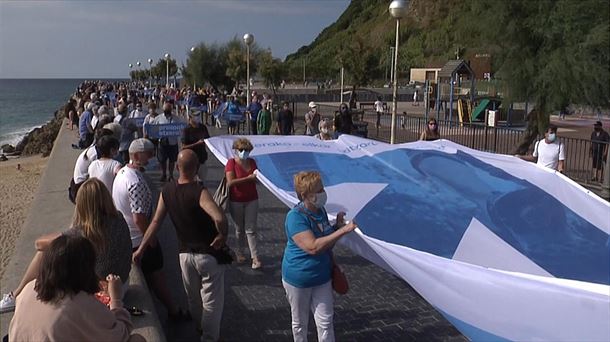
x=502, y=140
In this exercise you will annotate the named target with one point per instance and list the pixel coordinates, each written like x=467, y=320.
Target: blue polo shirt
x=83, y=123
x=300, y=269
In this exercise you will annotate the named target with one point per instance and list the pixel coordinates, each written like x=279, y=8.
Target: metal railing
x=502, y=140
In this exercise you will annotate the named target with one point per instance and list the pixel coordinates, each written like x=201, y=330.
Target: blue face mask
x=551, y=137
x=243, y=155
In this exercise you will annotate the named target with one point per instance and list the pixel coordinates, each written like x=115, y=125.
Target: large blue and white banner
x=503, y=248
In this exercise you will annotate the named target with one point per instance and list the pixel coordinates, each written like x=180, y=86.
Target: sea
x=29, y=103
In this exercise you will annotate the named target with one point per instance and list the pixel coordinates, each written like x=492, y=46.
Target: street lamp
x=167, y=55
x=130, y=66
x=248, y=39
x=398, y=10
x=150, y=72
x=194, y=84
x=138, y=73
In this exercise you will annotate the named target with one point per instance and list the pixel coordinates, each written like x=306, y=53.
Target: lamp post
x=341, y=83
x=248, y=39
x=398, y=10
x=138, y=73
x=194, y=84
x=167, y=56
x=150, y=72
x=130, y=67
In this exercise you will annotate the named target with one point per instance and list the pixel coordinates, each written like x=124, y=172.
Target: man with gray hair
x=133, y=199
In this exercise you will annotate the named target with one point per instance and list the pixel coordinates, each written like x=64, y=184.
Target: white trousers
x=318, y=299
x=244, y=215
x=204, y=284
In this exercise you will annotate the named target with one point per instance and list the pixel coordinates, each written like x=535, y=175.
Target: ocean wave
x=14, y=137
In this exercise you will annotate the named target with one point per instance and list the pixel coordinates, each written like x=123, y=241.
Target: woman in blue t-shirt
x=307, y=262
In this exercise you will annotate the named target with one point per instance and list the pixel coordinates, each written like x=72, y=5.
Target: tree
x=359, y=62
x=553, y=53
x=236, y=60
x=159, y=70
x=271, y=70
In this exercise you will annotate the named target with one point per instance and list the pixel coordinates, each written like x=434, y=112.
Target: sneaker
x=8, y=303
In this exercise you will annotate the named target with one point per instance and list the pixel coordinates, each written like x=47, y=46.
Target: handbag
x=221, y=196
x=339, y=280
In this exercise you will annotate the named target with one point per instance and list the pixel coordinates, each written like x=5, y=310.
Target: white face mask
x=324, y=130
x=243, y=155
x=551, y=137
x=320, y=199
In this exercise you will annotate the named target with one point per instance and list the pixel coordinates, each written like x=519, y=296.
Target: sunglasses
x=432, y=123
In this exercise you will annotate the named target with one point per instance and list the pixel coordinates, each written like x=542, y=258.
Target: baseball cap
x=141, y=145
x=598, y=123
x=312, y=104
x=115, y=128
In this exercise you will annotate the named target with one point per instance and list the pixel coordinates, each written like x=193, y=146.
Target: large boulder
x=7, y=148
x=41, y=140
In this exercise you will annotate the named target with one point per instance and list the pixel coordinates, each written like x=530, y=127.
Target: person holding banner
x=168, y=146
x=232, y=114
x=308, y=260
x=243, y=198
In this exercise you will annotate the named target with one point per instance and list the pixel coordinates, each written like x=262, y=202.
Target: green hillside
x=430, y=35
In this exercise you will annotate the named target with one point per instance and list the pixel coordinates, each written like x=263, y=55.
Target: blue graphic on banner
x=165, y=130
x=431, y=198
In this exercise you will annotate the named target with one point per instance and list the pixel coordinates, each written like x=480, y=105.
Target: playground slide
x=480, y=109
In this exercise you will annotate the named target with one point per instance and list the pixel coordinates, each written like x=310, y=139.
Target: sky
x=99, y=39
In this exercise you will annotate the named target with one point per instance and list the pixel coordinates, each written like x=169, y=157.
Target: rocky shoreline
x=38, y=141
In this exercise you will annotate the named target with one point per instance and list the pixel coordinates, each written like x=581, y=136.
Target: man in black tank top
x=201, y=227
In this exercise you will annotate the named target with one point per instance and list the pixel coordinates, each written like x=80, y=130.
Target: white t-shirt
x=148, y=120
x=549, y=155
x=104, y=170
x=378, y=106
x=131, y=195
x=81, y=168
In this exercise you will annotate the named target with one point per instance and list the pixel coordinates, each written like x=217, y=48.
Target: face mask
x=324, y=130
x=320, y=200
x=167, y=112
x=551, y=137
x=243, y=155
x=598, y=129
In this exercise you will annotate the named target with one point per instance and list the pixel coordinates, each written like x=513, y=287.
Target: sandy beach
x=18, y=188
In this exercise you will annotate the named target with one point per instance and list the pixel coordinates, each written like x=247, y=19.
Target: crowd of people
x=115, y=221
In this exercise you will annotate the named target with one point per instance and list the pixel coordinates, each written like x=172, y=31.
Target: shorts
x=152, y=260
x=233, y=123
x=166, y=152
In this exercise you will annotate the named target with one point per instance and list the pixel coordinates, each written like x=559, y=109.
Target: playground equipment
x=456, y=80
